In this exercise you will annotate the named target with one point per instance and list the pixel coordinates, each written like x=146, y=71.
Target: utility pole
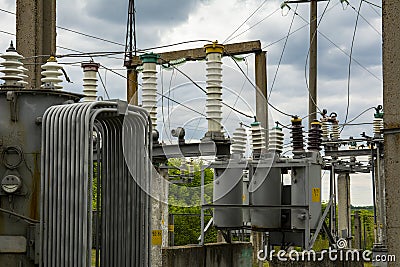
x=312, y=71
x=391, y=100
x=130, y=51
x=36, y=35
x=312, y=75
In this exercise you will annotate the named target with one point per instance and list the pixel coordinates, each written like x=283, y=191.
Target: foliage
x=185, y=199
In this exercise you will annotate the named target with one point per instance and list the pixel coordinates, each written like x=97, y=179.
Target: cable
x=104, y=86
x=344, y=52
x=202, y=89
x=372, y=4
x=359, y=14
x=359, y=115
x=349, y=68
x=249, y=17
x=240, y=92
x=283, y=51
x=254, y=25
x=90, y=36
x=255, y=87
x=7, y=32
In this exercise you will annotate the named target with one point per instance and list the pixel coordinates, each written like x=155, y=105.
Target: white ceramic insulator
x=24, y=76
x=214, y=92
x=335, y=131
x=11, y=68
x=325, y=130
x=239, y=140
x=149, y=91
x=276, y=137
x=377, y=126
x=90, y=85
x=257, y=137
x=51, y=72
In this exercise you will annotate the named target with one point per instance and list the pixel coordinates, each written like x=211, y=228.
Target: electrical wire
x=359, y=115
x=372, y=4
x=202, y=89
x=254, y=25
x=283, y=51
x=360, y=15
x=349, y=68
x=249, y=17
x=240, y=91
x=343, y=51
x=104, y=86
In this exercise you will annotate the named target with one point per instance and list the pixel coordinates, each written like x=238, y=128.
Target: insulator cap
x=215, y=47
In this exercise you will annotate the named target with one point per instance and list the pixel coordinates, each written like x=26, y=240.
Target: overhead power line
x=249, y=17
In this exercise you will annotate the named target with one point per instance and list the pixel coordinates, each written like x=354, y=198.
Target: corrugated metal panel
x=74, y=136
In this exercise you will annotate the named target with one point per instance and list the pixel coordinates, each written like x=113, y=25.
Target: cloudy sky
x=163, y=22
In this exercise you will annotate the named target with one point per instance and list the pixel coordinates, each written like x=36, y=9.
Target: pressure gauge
x=11, y=183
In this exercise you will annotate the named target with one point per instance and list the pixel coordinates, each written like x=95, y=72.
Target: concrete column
x=132, y=86
x=261, y=94
x=159, y=215
x=357, y=231
x=36, y=35
x=344, y=213
x=391, y=100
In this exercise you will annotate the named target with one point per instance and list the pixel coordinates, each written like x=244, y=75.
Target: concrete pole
x=391, y=100
x=36, y=35
x=261, y=94
x=312, y=98
x=357, y=231
x=344, y=212
x=132, y=85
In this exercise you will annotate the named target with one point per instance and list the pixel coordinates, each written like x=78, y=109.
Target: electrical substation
x=85, y=180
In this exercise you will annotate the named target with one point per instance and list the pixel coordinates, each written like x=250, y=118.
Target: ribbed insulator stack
x=51, y=72
x=315, y=136
x=214, y=86
x=377, y=127
x=335, y=134
x=12, y=64
x=90, y=80
x=325, y=127
x=24, y=75
x=149, y=86
x=297, y=134
x=257, y=137
x=239, y=140
x=276, y=137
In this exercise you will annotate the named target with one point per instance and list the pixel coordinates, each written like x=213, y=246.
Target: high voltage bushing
x=214, y=86
x=315, y=136
x=239, y=140
x=257, y=138
x=275, y=143
x=90, y=81
x=12, y=71
x=51, y=71
x=149, y=88
x=378, y=121
x=297, y=135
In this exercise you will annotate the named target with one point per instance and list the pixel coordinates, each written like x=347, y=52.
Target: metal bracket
x=12, y=97
x=320, y=224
